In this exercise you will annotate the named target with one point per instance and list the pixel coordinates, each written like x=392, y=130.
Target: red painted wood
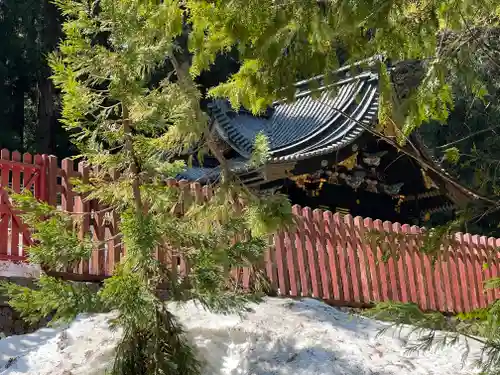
x=400, y=263
x=343, y=261
x=364, y=272
x=246, y=278
x=281, y=263
x=370, y=250
x=470, y=269
x=419, y=269
x=444, y=265
x=43, y=163
x=9, y=164
x=485, y=267
x=67, y=171
x=182, y=267
x=463, y=279
x=494, y=263
x=331, y=250
x=477, y=266
x=429, y=280
x=300, y=240
x=292, y=266
x=352, y=257
x=457, y=303
x=319, y=228
x=29, y=174
x=16, y=187
x=311, y=250
x=269, y=264
x=98, y=260
x=410, y=268
x=438, y=284
x=52, y=171
x=4, y=201
x=324, y=257
x=37, y=183
x=391, y=266
x=83, y=209
x=384, y=278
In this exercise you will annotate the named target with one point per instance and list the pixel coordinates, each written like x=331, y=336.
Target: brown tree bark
x=18, y=115
x=47, y=111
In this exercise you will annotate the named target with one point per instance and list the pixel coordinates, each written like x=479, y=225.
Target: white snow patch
x=19, y=269
x=278, y=337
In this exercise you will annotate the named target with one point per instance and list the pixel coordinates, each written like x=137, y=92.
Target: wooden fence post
x=300, y=248
x=5, y=216
x=51, y=188
x=16, y=187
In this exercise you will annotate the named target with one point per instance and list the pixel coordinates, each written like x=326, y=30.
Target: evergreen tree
x=133, y=132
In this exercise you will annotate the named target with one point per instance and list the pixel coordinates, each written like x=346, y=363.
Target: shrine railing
x=326, y=256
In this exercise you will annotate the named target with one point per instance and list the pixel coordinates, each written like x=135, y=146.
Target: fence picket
x=479, y=270
x=301, y=253
x=445, y=265
x=488, y=269
x=5, y=216
x=342, y=260
x=408, y=260
x=281, y=264
x=325, y=256
x=364, y=272
x=494, y=264
x=319, y=229
x=391, y=264
x=399, y=248
x=384, y=283
x=419, y=268
x=352, y=258
x=465, y=286
x=369, y=246
x=292, y=265
x=469, y=269
x=16, y=187
x=82, y=207
x=332, y=259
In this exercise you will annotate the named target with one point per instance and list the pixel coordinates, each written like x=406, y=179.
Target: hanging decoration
x=350, y=162
x=371, y=186
x=392, y=189
x=373, y=160
x=428, y=182
x=401, y=199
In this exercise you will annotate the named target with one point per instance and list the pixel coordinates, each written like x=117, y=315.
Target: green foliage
x=56, y=241
x=452, y=155
x=260, y=153
x=133, y=129
x=434, y=330
x=61, y=300
x=281, y=42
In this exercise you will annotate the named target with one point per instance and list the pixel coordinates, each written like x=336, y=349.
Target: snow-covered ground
x=19, y=269
x=279, y=337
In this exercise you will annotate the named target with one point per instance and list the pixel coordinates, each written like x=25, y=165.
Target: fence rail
x=327, y=256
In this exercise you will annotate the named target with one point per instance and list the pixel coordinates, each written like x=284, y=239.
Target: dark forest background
x=30, y=105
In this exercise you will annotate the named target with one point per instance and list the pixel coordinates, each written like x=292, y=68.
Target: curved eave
x=307, y=127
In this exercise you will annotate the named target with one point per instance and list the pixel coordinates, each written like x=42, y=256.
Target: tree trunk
x=47, y=111
x=18, y=116
x=47, y=116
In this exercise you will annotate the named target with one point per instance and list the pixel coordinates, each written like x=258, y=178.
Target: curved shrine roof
x=309, y=126
x=313, y=124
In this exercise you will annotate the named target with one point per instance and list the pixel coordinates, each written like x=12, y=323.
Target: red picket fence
x=327, y=256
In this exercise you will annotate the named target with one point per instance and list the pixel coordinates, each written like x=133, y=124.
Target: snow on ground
x=19, y=269
x=278, y=337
